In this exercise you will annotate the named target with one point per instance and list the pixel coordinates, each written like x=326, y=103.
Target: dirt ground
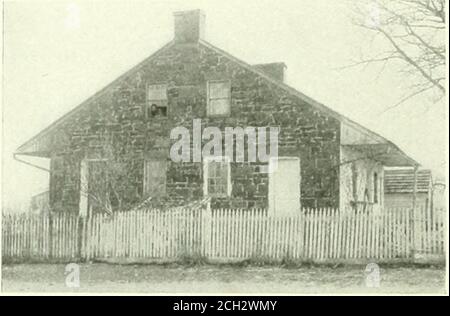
x=158, y=279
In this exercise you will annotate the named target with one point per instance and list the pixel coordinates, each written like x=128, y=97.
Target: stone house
x=326, y=160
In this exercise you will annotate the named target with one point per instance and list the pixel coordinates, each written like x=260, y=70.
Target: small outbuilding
x=399, y=188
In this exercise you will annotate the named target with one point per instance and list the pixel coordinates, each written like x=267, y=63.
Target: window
x=375, y=188
x=154, y=178
x=216, y=175
x=156, y=100
x=219, y=98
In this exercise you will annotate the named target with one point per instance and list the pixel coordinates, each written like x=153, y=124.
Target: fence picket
x=316, y=234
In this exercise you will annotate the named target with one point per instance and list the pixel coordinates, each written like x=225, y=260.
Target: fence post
x=81, y=235
x=206, y=217
x=50, y=235
x=416, y=218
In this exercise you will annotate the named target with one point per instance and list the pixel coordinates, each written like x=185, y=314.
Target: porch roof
x=386, y=153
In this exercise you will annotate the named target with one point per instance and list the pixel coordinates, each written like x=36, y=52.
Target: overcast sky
x=57, y=54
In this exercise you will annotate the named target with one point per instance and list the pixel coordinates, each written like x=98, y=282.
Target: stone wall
x=119, y=113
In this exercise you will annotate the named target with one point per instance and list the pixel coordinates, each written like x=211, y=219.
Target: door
x=284, y=186
x=94, y=194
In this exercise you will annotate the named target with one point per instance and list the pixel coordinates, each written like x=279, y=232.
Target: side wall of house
x=119, y=113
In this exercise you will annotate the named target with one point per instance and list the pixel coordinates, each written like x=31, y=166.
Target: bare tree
x=412, y=34
x=106, y=181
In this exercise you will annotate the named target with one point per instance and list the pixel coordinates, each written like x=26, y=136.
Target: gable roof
x=27, y=147
x=402, y=181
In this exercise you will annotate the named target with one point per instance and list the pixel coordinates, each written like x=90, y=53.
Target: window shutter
x=155, y=177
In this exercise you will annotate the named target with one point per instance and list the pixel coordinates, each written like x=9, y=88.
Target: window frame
x=271, y=193
x=206, y=161
x=160, y=103
x=208, y=100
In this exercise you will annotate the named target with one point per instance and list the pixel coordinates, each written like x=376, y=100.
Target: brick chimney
x=276, y=71
x=189, y=26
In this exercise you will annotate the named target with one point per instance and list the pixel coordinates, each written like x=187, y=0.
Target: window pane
x=219, y=90
x=223, y=171
x=217, y=178
x=219, y=107
x=157, y=92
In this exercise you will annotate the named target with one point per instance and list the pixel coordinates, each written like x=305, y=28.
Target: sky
x=58, y=53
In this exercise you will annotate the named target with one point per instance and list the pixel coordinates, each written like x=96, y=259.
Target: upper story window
x=156, y=100
x=219, y=98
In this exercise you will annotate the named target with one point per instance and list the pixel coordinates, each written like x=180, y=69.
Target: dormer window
x=156, y=100
x=219, y=98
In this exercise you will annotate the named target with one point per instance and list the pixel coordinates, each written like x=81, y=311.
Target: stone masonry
x=186, y=68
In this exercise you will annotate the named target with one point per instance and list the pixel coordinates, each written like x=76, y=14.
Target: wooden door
x=284, y=186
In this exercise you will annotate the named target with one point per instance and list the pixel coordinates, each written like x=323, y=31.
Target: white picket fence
x=313, y=234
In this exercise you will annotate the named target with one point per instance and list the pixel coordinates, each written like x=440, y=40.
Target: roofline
x=287, y=88
x=91, y=98
x=273, y=63
x=307, y=99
